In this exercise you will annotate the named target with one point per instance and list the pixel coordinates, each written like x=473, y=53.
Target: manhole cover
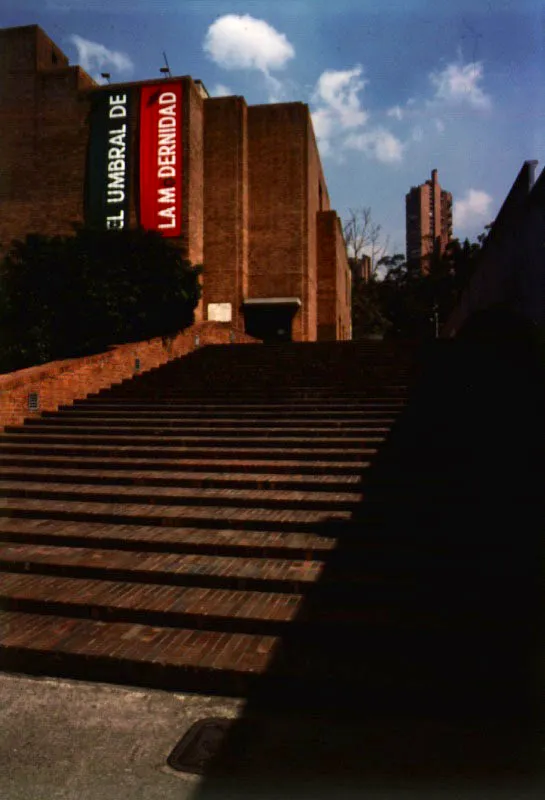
x=199, y=745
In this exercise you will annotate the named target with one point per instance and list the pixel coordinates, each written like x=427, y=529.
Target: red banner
x=161, y=158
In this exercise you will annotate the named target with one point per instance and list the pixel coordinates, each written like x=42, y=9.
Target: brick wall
x=193, y=154
x=334, y=281
x=48, y=55
x=226, y=203
x=62, y=382
x=43, y=134
x=277, y=141
x=343, y=294
x=317, y=200
x=327, y=327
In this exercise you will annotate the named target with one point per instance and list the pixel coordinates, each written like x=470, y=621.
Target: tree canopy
x=69, y=296
x=407, y=302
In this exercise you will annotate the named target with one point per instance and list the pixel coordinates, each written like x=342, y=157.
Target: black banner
x=108, y=160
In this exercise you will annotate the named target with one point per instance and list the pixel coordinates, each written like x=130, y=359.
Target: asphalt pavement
x=62, y=739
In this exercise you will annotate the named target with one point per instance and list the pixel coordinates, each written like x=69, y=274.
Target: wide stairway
x=182, y=529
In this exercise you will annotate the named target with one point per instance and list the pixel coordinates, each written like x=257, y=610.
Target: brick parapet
x=61, y=382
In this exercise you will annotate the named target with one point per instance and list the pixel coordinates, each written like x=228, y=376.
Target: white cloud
x=96, y=58
x=340, y=119
x=473, y=207
x=326, y=149
x=337, y=92
x=220, y=90
x=323, y=123
x=243, y=42
x=439, y=125
x=338, y=107
x=378, y=143
x=396, y=112
x=277, y=90
x=460, y=83
x=417, y=134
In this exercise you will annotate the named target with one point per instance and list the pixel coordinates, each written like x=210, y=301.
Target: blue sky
x=396, y=88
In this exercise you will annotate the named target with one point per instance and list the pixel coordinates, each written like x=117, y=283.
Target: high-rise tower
x=428, y=211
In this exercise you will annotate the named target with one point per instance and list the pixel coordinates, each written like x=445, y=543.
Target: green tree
x=416, y=303
x=405, y=297
x=461, y=258
x=68, y=296
x=399, y=300
x=368, y=317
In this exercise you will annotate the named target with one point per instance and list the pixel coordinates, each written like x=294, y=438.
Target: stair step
x=202, y=417
x=296, y=376
x=237, y=397
x=234, y=571
x=212, y=406
x=252, y=384
x=185, y=540
x=126, y=428
x=79, y=474
x=345, y=454
x=182, y=497
x=240, y=518
x=228, y=572
x=251, y=381
x=201, y=660
x=175, y=658
x=196, y=434
x=278, y=440
x=200, y=607
x=150, y=603
x=181, y=659
x=285, y=467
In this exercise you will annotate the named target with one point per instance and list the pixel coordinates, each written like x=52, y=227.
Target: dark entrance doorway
x=271, y=319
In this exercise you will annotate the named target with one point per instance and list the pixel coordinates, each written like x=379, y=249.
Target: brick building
x=361, y=267
x=428, y=221
x=240, y=188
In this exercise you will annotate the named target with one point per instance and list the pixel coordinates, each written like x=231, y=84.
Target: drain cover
x=199, y=745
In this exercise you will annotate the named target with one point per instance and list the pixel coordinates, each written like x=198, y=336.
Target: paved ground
x=70, y=740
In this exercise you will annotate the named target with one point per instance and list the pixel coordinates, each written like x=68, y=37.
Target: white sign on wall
x=220, y=312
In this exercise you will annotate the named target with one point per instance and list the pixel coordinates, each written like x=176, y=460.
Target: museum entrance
x=270, y=319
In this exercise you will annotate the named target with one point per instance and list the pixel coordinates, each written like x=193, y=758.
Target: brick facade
x=334, y=280
x=44, y=136
x=276, y=145
x=317, y=201
x=226, y=203
x=252, y=189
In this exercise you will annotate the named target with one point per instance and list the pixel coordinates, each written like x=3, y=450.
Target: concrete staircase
x=180, y=529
